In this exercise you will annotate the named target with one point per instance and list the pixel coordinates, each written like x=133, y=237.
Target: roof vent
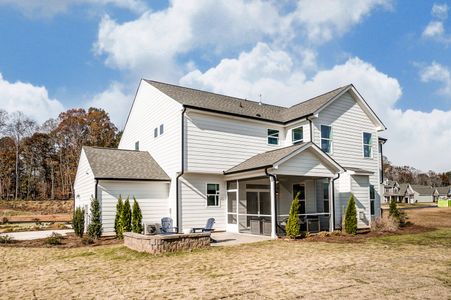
x=241, y=105
x=258, y=115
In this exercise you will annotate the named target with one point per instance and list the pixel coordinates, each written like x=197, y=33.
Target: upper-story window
x=297, y=135
x=137, y=145
x=161, y=129
x=326, y=138
x=367, y=147
x=273, y=137
x=212, y=194
x=155, y=132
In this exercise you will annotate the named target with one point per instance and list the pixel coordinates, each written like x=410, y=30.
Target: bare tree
x=18, y=127
x=3, y=120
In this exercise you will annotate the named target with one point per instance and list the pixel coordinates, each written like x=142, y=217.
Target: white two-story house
x=193, y=155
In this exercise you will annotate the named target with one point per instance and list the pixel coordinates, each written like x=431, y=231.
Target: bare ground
x=409, y=266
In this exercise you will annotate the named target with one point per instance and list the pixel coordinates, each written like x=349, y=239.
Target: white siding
x=84, y=184
x=305, y=128
x=217, y=143
x=151, y=196
x=349, y=121
x=195, y=211
x=305, y=163
x=152, y=108
x=361, y=189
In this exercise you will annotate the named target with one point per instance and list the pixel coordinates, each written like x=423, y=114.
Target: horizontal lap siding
x=349, y=121
x=305, y=163
x=195, y=212
x=84, y=184
x=215, y=144
x=361, y=189
x=152, y=198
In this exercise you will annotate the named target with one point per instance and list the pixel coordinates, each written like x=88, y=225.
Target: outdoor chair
x=207, y=228
x=166, y=226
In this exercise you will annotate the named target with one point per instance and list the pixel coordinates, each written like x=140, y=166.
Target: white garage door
x=152, y=197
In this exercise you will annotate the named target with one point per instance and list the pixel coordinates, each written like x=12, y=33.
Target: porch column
x=331, y=206
x=273, y=207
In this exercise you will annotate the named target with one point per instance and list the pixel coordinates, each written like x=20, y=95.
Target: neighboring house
x=419, y=193
x=443, y=192
x=394, y=190
x=411, y=193
x=192, y=155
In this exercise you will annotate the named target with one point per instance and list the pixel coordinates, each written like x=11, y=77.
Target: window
x=212, y=194
x=273, y=137
x=372, y=199
x=367, y=137
x=326, y=138
x=137, y=145
x=161, y=129
x=300, y=188
x=297, y=135
x=326, y=196
x=155, y=132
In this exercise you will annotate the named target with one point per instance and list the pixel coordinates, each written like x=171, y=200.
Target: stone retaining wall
x=157, y=244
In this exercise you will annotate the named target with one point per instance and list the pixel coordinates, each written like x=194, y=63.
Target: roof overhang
x=131, y=179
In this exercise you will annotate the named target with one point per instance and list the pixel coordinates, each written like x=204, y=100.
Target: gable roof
x=444, y=190
x=213, y=102
x=422, y=189
x=117, y=164
x=275, y=157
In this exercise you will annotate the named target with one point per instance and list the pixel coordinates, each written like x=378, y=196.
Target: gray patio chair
x=166, y=226
x=207, y=228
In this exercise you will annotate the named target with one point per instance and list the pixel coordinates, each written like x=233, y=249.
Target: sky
x=56, y=55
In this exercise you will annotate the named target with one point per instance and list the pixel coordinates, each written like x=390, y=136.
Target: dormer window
x=297, y=135
x=273, y=137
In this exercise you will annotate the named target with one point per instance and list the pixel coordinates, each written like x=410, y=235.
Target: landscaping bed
x=68, y=241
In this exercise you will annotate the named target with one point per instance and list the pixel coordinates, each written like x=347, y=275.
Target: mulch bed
x=69, y=241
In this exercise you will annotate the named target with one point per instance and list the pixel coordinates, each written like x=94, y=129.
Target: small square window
x=273, y=137
x=137, y=146
x=161, y=129
x=155, y=132
x=297, y=135
x=212, y=194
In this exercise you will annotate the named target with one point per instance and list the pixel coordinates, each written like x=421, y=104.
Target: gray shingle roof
x=123, y=164
x=265, y=159
x=244, y=107
x=444, y=190
x=422, y=189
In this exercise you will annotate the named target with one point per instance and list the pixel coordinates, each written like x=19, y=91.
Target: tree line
x=407, y=174
x=39, y=161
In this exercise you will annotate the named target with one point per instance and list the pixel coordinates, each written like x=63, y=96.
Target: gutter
x=332, y=214
x=274, y=177
x=177, y=189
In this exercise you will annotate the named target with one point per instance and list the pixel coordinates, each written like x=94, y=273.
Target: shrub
x=117, y=220
x=54, y=239
x=6, y=239
x=385, y=225
x=293, y=228
x=5, y=220
x=87, y=240
x=351, y=216
x=95, y=224
x=126, y=217
x=394, y=210
x=78, y=221
x=136, y=217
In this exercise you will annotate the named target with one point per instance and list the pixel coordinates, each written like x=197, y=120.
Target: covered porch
x=259, y=198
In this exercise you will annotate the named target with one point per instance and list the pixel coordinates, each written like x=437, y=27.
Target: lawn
x=396, y=267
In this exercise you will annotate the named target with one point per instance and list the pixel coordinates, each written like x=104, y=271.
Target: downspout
x=382, y=163
x=177, y=189
x=274, y=177
x=332, y=215
x=95, y=191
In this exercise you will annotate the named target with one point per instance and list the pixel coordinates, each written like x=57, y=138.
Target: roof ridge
x=313, y=98
x=117, y=149
x=213, y=93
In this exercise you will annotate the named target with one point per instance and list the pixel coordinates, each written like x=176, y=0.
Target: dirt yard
x=408, y=266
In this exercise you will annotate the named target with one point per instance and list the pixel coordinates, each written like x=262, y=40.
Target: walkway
x=233, y=239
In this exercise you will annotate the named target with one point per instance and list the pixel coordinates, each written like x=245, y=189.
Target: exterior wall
x=305, y=163
x=217, y=143
x=84, y=185
x=151, y=196
x=306, y=132
x=422, y=198
x=349, y=121
x=152, y=108
x=286, y=194
x=195, y=212
x=360, y=187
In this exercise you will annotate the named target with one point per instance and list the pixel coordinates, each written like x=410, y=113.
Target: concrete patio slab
x=233, y=239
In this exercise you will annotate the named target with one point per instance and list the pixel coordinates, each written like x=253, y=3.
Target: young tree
x=78, y=221
x=351, y=216
x=117, y=220
x=293, y=228
x=136, y=217
x=126, y=217
x=394, y=211
x=95, y=225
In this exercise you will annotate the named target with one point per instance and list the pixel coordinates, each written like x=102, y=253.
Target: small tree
x=117, y=220
x=351, y=216
x=293, y=228
x=394, y=211
x=126, y=217
x=78, y=221
x=136, y=217
x=95, y=224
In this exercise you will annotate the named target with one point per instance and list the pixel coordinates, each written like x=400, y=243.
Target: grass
x=436, y=238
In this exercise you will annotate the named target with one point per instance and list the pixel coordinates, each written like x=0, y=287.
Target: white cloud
x=114, y=100
x=334, y=17
x=440, y=11
x=439, y=73
x=32, y=100
x=435, y=30
x=50, y=8
x=414, y=136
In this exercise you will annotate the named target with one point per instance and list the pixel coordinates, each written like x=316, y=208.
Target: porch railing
x=310, y=222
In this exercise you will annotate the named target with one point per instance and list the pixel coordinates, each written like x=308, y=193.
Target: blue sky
x=56, y=55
